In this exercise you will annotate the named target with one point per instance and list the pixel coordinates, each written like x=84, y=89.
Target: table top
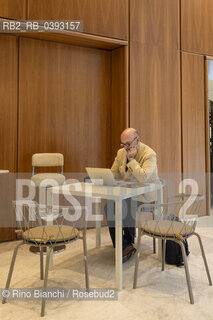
x=104, y=192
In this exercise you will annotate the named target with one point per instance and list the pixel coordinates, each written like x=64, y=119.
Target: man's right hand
x=131, y=153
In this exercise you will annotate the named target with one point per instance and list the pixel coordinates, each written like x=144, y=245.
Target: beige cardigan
x=143, y=168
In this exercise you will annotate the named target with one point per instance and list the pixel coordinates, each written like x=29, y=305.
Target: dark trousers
x=129, y=209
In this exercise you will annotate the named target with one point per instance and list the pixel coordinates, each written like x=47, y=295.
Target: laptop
x=102, y=176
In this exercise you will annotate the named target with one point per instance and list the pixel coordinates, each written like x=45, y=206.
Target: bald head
x=128, y=135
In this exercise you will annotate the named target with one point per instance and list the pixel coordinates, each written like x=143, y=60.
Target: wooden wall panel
x=193, y=120
x=8, y=102
x=64, y=104
x=155, y=82
x=155, y=22
x=155, y=104
x=13, y=9
x=119, y=85
x=197, y=26
x=8, y=132
x=103, y=17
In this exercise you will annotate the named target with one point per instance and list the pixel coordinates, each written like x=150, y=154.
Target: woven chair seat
x=50, y=234
x=166, y=228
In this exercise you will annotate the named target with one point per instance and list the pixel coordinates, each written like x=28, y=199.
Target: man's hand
x=131, y=153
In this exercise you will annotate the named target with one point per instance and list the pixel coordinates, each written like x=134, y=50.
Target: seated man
x=133, y=160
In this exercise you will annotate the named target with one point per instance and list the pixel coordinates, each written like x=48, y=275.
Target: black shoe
x=128, y=252
x=180, y=264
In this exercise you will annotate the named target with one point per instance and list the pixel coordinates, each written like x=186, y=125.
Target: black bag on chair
x=173, y=249
x=174, y=254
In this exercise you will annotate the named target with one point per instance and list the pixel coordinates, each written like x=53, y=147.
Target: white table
x=110, y=193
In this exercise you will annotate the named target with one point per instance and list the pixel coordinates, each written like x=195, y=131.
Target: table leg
x=98, y=224
x=49, y=203
x=118, y=245
x=159, y=201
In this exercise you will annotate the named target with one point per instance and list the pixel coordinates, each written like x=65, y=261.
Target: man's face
x=128, y=142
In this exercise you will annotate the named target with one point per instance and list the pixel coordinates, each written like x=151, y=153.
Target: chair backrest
x=183, y=208
x=48, y=225
x=47, y=160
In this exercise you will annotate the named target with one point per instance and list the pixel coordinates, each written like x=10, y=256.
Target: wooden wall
x=155, y=80
x=13, y=9
x=193, y=120
x=155, y=22
x=197, y=26
x=8, y=101
x=8, y=131
x=167, y=88
x=196, y=43
x=103, y=17
x=120, y=96
x=64, y=104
